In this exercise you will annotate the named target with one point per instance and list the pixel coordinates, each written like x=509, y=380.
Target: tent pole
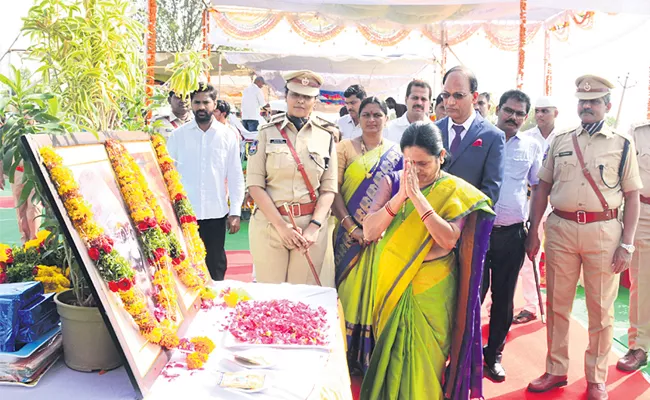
x=220, y=59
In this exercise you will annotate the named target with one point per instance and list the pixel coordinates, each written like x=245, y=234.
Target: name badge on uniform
x=565, y=153
x=278, y=141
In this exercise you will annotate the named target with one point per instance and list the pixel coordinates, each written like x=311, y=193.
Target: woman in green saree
x=363, y=163
x=425, y=295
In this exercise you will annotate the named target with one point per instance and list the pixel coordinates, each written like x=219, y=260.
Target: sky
x=614, y=47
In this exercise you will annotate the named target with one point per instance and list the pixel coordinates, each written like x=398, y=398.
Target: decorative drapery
x=246, y=25
x=523, y=17
x=150, y=56
x=205, y=30
x=381, y=36
x=648, y=94
x=548, y=73
x=316, y=28
x=454, y=34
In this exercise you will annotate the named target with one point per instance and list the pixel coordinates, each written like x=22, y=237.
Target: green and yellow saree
x=423, y=312
x=353, y=275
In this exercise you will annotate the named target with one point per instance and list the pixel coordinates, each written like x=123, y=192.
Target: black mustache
x=511, y=121
x=416, y=107
x=587, y=112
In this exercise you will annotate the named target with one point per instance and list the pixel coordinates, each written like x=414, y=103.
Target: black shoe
x=494, y=372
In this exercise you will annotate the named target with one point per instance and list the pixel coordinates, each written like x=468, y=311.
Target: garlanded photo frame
x=85, y=155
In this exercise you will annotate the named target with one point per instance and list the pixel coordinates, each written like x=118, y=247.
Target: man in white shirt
x=543, y=133
x=206, y=155
x=505, y=256
x=418, y=98
x=251, y=102
x=349, y=123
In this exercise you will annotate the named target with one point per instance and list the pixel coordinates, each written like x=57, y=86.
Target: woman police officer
x=292, y=169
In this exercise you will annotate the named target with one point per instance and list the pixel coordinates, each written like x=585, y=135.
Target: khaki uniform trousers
x=570, y=246
x=275, y=263
x=28, y=214
x=639, y=332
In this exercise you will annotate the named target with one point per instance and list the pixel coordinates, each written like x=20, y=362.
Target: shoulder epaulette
x=640, y=125
x=565, y=131
x=274, y=120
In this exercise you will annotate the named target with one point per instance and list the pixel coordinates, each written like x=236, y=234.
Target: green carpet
x=238, y=241
x=9, y=233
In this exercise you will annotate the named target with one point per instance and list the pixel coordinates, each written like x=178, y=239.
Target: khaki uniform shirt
x=571, y=191
x=273, y=167
x=641, y=134
x=166, y=124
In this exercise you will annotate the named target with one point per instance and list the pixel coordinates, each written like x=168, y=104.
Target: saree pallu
x=425, y=312
x=353, y=267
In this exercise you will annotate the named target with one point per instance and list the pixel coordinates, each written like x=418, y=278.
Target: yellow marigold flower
x=194, y=360
x=207, y=294
x=3, y=252
x=169, y=340
x=203, y=344
x=154, y=336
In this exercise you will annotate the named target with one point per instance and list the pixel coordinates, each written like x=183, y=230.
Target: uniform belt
x=587, y=217
x=298, y=209
x=645, y=200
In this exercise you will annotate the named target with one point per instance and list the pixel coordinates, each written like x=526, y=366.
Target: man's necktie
x=455, y=144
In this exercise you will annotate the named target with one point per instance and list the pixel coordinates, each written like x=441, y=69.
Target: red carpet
x=240, y=266
x=524, y=360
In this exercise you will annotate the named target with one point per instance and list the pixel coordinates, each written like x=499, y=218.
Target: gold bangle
x=352, y=230
x=344, y=218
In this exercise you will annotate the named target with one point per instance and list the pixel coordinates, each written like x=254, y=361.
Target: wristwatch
x=628, y=247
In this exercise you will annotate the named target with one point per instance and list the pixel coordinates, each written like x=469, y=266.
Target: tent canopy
x=394, y=65
x=377, y=74
x=422, y=12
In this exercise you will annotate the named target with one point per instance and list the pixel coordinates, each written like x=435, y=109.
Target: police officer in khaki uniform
x=584, y=231
x=274, y=180
x=180, y=114
x=639, y=332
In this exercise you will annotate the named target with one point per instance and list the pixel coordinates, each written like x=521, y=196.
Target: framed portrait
x=85, y=155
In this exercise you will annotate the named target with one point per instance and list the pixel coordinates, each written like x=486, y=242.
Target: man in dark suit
x=476, y=146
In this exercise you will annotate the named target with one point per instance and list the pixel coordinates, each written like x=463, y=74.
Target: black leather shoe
x=494, y=372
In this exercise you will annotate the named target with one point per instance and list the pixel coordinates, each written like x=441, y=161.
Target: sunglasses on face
x=456, y=95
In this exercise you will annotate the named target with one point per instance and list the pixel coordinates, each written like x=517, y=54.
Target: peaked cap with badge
x=589, y=87
x=304, y=82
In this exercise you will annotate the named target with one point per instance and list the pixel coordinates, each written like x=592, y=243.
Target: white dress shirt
x=251, y=102
x=523, y=157
x=395, y=129
x=205, y=161
x=536, y=134
x=347, y=127
x=451, y=133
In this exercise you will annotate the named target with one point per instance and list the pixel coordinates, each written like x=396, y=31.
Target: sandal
x=523, y=317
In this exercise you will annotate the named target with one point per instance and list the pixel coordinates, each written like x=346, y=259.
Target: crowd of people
x=415, y=222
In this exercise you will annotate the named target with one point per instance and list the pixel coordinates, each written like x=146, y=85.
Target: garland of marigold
x=152, y=233
x=111, y=265
x=184, y=213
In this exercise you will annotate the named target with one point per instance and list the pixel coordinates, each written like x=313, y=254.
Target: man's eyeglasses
x=510, y=111
x=456, y=96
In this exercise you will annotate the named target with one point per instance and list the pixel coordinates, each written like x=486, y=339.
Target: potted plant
x=91, y=77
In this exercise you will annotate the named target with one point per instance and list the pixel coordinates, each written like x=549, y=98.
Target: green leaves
x=187, y=70
x=91, y=57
